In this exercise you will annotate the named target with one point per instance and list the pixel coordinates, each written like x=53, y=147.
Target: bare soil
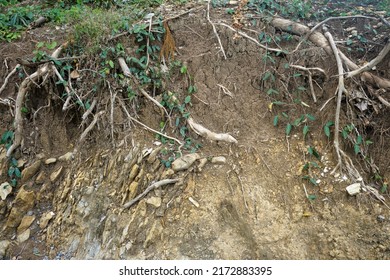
x=254, y=206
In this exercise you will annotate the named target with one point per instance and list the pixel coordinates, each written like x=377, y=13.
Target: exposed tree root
x=202, y=131
x=372, y=63
x=87, y=130
x=215, y=30
x=320, y=40
x=23, y=89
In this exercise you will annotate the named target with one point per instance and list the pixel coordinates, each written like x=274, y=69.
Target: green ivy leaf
x=288, y=129
x=310, y=117
x=327, y=131
x=183, y=69
x=11, y=171
x=18, y=173
x=356, y=148
x=7, y=136
x=305, y=130
x=51, y=45
x=359, y=140
x=187, y=99
x=276, y=119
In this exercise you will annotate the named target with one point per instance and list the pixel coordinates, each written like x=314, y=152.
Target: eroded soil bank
x=252, y=205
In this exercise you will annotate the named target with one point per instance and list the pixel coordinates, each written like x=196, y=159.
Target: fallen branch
x=372, y=63
x=148, y=190
x=24, y=87
x=8, y=76
x=204, y=132
x=214, y=29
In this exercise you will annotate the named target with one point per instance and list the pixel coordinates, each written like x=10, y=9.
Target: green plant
x=13, y=171
x=295, y=9
x=7, y=138
x=327, y=128
x=303, y=119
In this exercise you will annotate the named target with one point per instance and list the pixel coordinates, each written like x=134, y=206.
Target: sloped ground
x=254, y=206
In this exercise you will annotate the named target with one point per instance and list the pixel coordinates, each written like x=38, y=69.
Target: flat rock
x=23, y=236
x=25, y=223
x=5, y=190
x=154, y=201
x=30, y=171
x=354, y=189
x=24, y=202
x=184, y=162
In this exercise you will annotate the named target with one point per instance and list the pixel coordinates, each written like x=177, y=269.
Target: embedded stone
x=25, y=223
x=218, y=160
x=45, y=219
x=50, y=161
x=24, y=202
x=30, y=171
x=23, y=236
x=56, y=174
x=184, y=162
